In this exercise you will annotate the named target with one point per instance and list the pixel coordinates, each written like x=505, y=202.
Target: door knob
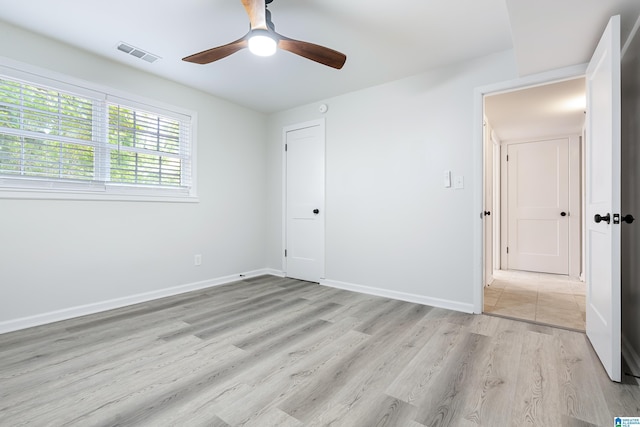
x=487, y=213
x=598, y=218
x=565, y=214
x=628, y=218
x=316, y=211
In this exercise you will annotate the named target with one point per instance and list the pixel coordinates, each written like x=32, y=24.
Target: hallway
x=543, y=298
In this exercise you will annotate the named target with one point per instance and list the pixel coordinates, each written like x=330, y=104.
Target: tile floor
x=543, y=298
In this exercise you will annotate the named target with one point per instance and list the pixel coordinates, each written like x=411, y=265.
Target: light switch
x=447, y=179
x=458, y=182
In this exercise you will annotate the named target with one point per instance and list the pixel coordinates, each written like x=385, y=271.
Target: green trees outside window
x=48, y=134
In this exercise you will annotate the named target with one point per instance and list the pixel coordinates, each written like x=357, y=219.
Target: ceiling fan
x=263, y=40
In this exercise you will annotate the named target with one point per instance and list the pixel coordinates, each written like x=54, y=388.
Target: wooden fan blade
x=257, y=11
x=211, y=55
x=314, y=52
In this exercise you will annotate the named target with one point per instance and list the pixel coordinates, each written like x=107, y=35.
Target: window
x=144, y=148
x=55, y=138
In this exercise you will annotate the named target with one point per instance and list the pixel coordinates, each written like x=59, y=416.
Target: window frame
x=25, y=187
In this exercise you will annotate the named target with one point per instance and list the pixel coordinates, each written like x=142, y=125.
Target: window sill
x=23, y=194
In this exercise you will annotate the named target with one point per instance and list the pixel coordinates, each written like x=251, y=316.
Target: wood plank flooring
x=280, y=352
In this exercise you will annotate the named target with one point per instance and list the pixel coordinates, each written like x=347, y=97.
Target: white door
x=603, y=198
x=538, y=206
x=304, y=250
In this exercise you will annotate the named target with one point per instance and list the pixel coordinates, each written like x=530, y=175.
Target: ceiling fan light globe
x=262, y=45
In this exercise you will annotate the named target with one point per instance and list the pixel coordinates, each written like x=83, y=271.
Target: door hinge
x=285, y=253
x=507, y=157
x=507, y=249
x=285, y=147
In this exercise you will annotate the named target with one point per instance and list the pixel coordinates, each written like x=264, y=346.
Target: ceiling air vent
x=138, y=53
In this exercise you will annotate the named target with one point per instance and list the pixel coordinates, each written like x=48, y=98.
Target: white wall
x=391, y=224
x=57, y=255
x=630, y=234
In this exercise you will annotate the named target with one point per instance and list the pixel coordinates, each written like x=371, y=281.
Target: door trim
x=297, y=126
x=478, y=193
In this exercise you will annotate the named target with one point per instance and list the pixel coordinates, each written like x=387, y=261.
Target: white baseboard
x=490, y=281
x=631, y=356
x=97, y=307
x=402, y=296
x=274, y=272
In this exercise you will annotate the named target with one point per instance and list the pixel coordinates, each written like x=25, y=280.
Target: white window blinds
x=45, y=133
x=145, y=148
x=55, y=139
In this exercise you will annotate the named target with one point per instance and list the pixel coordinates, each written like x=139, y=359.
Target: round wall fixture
x=323, y=108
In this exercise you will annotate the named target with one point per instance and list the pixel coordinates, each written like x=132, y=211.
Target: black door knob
x=598, y=218
x=628, y=218
x=316, y=211
x=563, y=214
x=487, y=213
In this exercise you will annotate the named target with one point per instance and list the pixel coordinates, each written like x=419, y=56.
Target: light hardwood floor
x=281, y=352
x=544, y=298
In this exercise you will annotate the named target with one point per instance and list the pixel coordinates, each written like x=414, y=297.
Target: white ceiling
x=541, y=111
x=549, y=34
x=383, y=40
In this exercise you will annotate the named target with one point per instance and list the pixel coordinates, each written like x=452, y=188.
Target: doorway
x=532, y=184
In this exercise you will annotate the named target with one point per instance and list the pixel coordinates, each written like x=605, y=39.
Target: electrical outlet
x=458, y=182
x=197, y=259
